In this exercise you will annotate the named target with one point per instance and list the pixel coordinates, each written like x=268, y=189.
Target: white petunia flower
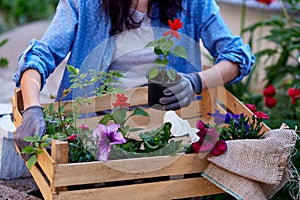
x=180, y=127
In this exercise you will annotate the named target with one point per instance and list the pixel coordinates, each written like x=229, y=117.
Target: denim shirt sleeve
x=45, y=54
x=220, y=42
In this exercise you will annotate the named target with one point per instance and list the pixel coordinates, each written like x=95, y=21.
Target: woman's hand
x=32, y=123
x=182, y=94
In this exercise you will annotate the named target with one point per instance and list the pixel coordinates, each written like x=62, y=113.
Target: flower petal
x=180, y=127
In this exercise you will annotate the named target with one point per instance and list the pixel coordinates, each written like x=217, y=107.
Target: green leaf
x=149, y=146
x=51, y=108
x=179, y=51
x=141, y=112
x=61, y=109
x=3, y=62
x=35, y=138
x=39, y=151
x=158, y=51
x=3, y=42
x=28, y=150
x=31, y=162
x=119, y=116
x=136, y=129
x=166, y=45
x=106, y=119
x=153, y=72
x=171, y=74
x=151, y=44
x=161, y=62
x=73, y=70
x=124, y=130
x=82, y=76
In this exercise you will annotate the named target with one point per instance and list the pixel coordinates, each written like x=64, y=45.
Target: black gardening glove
x=182, y=94
x=32, y=123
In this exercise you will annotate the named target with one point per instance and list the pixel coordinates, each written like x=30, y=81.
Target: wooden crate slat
x=164, y=190
x=47, y=164
x=137, y=96
x=41, y=183
x=111, y=170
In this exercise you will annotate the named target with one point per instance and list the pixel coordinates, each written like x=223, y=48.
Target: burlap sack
x=253, y=169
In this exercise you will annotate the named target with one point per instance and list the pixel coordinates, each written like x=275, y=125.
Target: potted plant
x=163, y=76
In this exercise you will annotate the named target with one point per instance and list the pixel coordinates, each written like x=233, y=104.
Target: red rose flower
x=267, y=2
x=202, y=130
x=251, y=107
x=219, y=148
x=269, y=91
x=121, y=101
x=294, y=93
x=72, y=137
x=261, y=115
x=270, y=102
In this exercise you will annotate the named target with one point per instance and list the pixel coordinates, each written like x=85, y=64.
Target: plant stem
x=61, y=120
x=243, y=17
x=285, y=13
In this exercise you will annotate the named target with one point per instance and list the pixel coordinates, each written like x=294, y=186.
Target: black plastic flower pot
x=156, y=88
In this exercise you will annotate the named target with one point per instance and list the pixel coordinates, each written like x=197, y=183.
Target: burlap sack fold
x=253, y=169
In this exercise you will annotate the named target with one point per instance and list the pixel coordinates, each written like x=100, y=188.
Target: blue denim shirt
x=80, y=30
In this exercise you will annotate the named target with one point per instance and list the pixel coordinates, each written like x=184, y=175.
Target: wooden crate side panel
x=47, y=164
x=164, y=190
x=136, y=97
x=41, y=183
x=17, y=107
x=95, y=172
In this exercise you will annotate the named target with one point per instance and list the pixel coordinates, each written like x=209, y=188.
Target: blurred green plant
x=16, y=12
x=3, y=61
x=280, y=59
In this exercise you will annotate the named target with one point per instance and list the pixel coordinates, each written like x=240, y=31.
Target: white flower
x=180, y=127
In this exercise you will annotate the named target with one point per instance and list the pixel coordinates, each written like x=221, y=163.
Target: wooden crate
x=163, y=177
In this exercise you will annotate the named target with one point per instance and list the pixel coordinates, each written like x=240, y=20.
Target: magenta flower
x=107, y=136
x=84, y=127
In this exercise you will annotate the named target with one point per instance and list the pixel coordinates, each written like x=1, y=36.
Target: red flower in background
x=174, y=26
x=121, y=101
x=72, y=137
x=267, y=2
x=251, y=107
x=270, y=102
x=294, y=93
x=261, y=115
x=269, y=91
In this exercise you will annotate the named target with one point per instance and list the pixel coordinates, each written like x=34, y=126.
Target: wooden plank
x=17, y=105
x=41, y=183
x=95, y=172
x=136, y=97
x=208, y=102
x=157, y=190
x=60, y=155
x=47, y=164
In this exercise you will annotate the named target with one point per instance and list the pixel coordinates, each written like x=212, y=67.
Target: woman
x=80, y=26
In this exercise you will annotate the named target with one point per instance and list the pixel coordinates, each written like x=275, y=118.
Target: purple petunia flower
x=219, y=118
x=107, y=136
x=230, y=117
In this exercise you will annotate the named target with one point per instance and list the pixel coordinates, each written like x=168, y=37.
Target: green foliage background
x=16, y=12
